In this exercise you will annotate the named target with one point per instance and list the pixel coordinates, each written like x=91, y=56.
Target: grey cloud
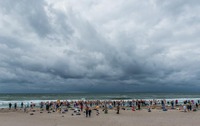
x=65, y=46
x=30, y=13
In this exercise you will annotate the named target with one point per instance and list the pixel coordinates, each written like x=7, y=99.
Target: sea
x=27, y=98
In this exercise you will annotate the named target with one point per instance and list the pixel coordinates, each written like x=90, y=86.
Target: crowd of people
x=88, y=106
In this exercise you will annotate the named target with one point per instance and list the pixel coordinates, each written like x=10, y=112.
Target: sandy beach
x=125, y=118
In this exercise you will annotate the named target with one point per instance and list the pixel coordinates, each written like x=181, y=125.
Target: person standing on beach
x=114, y=104
x=27, y=105
x=89, y=112
x=105, y=109
x=118, y=109
x=10, y=105
x=172, y=104
x=176, y=102
x=138, y=105
x=190, y=106
x=184, y=108
x=15, y=105
x=25, y=108
x=47, y=107
x=197, y=105
x=22, y=104
x=81, y=106
x=41, y=105
x=86, y=111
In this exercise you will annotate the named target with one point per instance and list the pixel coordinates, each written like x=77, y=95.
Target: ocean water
x=5, y=99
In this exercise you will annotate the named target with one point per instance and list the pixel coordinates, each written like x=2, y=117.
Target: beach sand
x=125, y=118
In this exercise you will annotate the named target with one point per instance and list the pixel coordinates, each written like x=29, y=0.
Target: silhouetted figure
x=22, y=104
x=10, y=105
x=86, y=111
x=89, y=112
x=118, y=109
x=15, y=105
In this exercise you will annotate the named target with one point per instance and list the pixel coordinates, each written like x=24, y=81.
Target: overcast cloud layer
x=99, y=45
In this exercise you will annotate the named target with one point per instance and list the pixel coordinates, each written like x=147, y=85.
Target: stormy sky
x=99, y=46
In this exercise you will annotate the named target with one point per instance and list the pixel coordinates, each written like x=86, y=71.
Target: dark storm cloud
x=53, y=46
